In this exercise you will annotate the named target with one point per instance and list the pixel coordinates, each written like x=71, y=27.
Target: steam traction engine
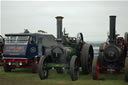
x=112, y=54
x=23, y=50
x=1, y=48
x=69, y=54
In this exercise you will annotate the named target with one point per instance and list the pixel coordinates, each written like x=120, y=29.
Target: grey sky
x=90, y=18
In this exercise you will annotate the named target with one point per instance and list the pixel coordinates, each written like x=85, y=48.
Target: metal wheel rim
x=76, y=69
x=44, y=69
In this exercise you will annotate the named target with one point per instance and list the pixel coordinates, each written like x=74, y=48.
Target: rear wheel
x=126, y=69
x=6, y=68
x=95, y=68
x=42, y=68
x=86, y=58
x=74, y=68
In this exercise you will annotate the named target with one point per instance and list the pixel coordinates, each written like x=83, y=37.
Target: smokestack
x=59, y=27
x=112, y=35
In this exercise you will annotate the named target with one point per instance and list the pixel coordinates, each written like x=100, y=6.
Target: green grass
x=25, y=77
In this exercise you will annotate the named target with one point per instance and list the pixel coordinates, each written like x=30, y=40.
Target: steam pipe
x=112, y=36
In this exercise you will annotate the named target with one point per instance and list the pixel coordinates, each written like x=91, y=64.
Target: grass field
x=25, y=77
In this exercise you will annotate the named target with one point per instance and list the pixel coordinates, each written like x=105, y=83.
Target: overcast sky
x=90, y=18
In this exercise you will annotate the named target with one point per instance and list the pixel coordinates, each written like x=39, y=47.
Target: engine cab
x=23, y=50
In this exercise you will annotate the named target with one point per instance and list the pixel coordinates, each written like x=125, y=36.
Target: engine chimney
x=59, y=27
x=112, y=35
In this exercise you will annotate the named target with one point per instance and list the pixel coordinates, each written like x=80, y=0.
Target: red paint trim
x=12, y=66
x=25, y=61
x=97, y=69
x=36, y=65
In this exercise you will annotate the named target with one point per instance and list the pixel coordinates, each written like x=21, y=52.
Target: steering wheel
x=79, y=38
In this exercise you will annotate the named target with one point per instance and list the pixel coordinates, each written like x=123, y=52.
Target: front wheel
x=74, y=68
x=95, y=68
x=42, y=68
